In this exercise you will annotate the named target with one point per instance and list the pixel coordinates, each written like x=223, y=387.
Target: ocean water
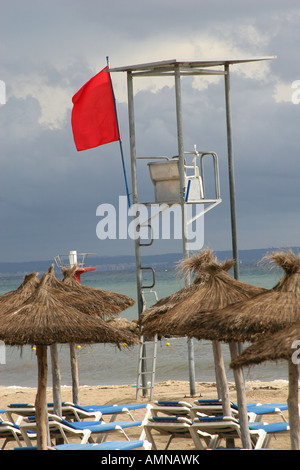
x=101, y=364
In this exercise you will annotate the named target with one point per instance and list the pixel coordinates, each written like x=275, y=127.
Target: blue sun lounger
x=109, y=445
x=208, y=431
x=22, y=410
x=228, y=427
x=76, y=412
x=271, y=430
x=84, y=430
x=172, y=408
x=103, y=410
x=214, y=407
x=255, y=410
x=11, y=432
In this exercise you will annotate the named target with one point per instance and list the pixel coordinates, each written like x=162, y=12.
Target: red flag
x=94, y=119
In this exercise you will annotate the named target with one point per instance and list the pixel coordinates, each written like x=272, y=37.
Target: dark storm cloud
x=50, y=192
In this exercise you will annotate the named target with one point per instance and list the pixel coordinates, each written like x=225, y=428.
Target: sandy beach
x=262, y=392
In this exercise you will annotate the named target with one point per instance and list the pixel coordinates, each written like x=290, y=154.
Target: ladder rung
x=144, y=373
x=149, y=268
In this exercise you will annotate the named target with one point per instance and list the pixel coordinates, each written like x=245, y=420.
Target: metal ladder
x=143, y=384
x=143, y=373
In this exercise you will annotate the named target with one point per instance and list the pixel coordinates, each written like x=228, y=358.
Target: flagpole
x=120, y=139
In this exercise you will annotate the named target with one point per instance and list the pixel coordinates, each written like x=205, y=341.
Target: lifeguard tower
x=177, y=180
x=74, y=259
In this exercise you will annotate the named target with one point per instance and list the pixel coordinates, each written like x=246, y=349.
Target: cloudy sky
x=49, y=192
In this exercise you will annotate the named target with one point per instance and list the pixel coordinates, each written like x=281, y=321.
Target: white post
x=73, y=356
x=191, y=362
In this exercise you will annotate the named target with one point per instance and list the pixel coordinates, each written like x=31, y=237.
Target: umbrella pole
x=221, y=378
x=241, y=399
x=73, y=360
x=222, y=384
x=41, y=398
x=293, y=406
x=56, y=384
x=181, y=170
x=74, y=370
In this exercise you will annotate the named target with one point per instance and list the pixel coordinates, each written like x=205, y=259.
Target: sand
x=262, y=392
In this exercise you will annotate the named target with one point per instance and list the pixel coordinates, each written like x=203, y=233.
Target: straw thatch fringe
x=15, y=297
x=45, y=318
x=271, y=347
x=76, y=296
x=118, y=301
x=213, y=288
x=244, y=320
x=287, y=260
x=201, y=265
x=86, y=299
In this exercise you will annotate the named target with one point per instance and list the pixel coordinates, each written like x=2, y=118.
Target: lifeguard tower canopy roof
x=167, y=67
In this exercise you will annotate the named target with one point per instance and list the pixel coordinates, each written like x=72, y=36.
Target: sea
x=105, y=364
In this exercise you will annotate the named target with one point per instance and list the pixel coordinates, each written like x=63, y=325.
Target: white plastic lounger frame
x=171, y=407
x=255, y=410
x=76, y=412
x=11, y=432
x=229, y=427
x=170, y=426
x=82, y=430
x=26, y=410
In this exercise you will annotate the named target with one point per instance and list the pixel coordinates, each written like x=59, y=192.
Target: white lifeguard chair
x=166, y=180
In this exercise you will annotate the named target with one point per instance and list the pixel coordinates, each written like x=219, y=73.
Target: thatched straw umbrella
x=113, y=303
x=153, y=314
x=274, y=347
x=213, y=288
x=16, y=298
x=42, y=320
x=88, y=300
x=267, y=312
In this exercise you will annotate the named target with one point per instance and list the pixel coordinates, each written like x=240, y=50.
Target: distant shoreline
x=127, y=262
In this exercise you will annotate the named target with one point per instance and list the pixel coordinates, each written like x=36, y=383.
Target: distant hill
x=127, y=262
